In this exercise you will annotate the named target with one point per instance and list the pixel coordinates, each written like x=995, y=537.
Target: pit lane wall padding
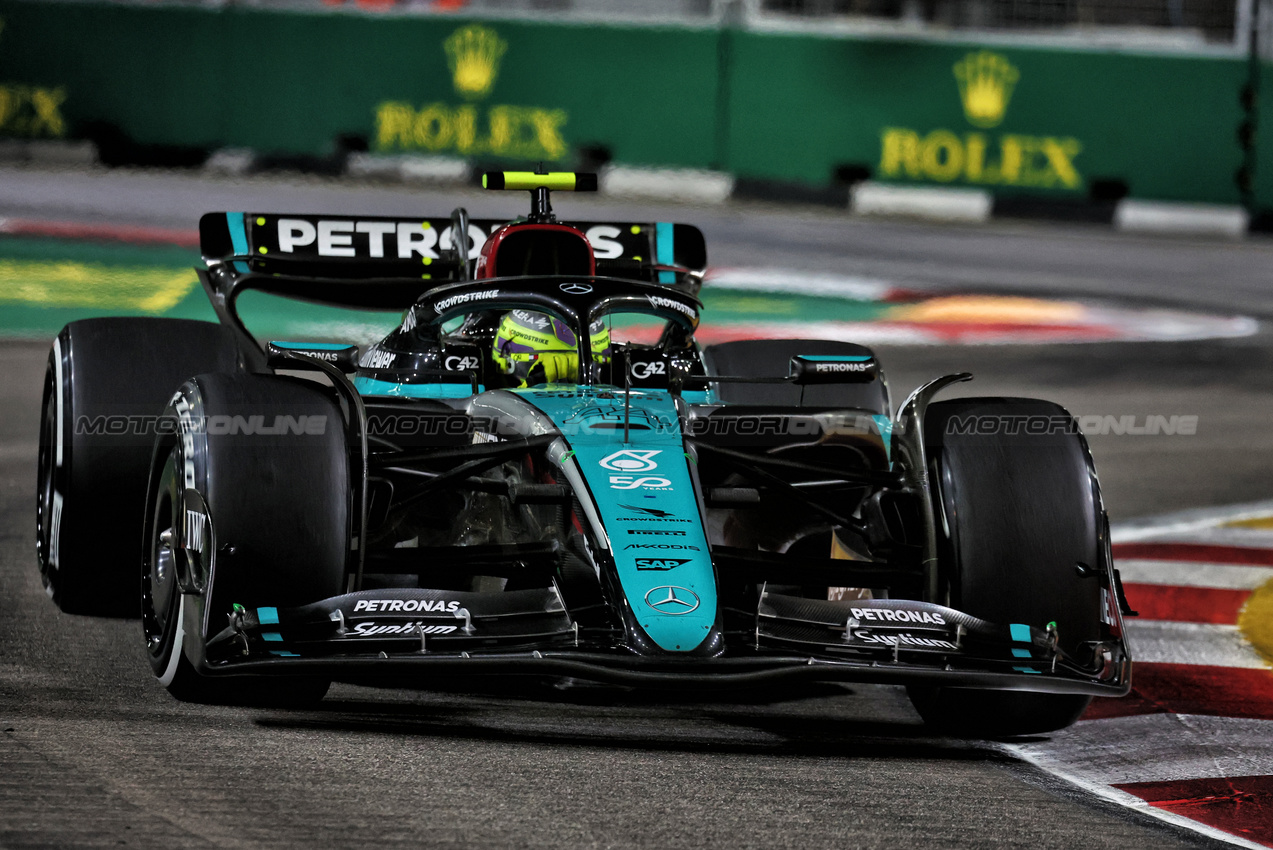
x=802, y=108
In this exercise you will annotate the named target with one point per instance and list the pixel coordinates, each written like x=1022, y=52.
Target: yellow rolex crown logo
x=473, y=53
x=985, y=82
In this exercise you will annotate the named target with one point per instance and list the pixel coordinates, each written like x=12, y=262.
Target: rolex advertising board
x=806, y=108
x=293, y=82
x=1015, y=120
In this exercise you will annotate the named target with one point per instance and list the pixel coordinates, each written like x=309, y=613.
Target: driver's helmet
x=535, y=348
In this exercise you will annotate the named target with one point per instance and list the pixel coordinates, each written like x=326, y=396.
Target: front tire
x=1019, y=504
x=242, y=513
x=106, y=383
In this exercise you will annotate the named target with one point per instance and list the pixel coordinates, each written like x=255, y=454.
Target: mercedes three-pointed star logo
x=575, y=288
x=669, y=599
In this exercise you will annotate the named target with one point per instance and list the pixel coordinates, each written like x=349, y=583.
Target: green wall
x=1166, y=126
x=760, y=105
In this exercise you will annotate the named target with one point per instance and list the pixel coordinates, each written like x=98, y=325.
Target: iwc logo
x=985, y=82
x=473, y=54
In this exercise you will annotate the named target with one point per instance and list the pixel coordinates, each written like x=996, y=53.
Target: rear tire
x=91, y=484
x=771, y=358
x=1020, y=510
x=272, y=513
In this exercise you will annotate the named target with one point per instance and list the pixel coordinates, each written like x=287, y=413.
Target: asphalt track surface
x=94, y=753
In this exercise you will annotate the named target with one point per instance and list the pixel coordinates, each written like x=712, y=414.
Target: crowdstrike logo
x=463, y=298
x=671, y=304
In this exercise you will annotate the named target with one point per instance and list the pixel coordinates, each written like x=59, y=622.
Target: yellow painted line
x=1253, y=522
x=69, y=284
x=1256, y=621
x=990, y=308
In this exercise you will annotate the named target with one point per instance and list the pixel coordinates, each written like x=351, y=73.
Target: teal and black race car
x=541, y=473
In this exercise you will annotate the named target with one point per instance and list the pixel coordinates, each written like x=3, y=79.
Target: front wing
x=409, y=637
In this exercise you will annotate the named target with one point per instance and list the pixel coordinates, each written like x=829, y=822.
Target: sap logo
x=631, y=460
x=641, y=371
x=460, y=364
x=405, y=606
x=628, y=482
x=659, y=563
x=377, y=359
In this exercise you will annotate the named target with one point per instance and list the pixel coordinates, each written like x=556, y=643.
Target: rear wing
x=419, y=252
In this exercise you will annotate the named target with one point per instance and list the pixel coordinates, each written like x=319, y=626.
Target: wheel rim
x=45, y=483
x=160, y=570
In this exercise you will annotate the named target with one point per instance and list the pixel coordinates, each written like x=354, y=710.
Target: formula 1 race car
x=540, y=472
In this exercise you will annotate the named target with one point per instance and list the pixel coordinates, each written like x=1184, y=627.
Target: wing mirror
x=810, y=369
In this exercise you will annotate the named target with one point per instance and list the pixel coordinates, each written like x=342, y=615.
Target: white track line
x=1204, y=644
x=1097, y=754
x=1049, y=764
x=1191, y=574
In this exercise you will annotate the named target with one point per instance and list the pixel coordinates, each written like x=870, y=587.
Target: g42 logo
x=641, y=371
x=631, y=460
x=460, y=364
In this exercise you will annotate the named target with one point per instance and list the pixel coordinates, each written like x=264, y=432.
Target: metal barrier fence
x=1179, y=23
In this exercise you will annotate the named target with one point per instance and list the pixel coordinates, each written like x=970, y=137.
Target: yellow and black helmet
x=535, y=348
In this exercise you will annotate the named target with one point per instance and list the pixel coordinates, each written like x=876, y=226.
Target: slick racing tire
x=250, y=506
x=1018, y=501
x=771, y=358
x=107, y=383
